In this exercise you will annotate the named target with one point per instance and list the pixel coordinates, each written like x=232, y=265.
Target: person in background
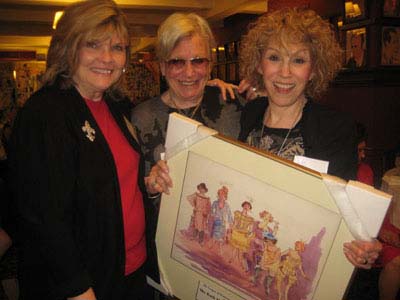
x=5, y=242
x=364, y=170
x=184, y=47
x=389, y=235
x=8, y=286
x=291, y=55
x=8, y=251
x=77, y=169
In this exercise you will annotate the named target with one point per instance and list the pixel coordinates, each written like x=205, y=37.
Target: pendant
x=90, y=132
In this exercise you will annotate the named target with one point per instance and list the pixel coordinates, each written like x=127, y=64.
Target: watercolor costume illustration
x=201, y=210
x=221, y=217
x=244, y=251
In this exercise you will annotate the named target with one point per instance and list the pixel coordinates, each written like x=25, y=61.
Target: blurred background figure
x=389, y=235
x=365, y=173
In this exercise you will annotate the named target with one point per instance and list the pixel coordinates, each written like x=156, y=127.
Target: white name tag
x=312, y=163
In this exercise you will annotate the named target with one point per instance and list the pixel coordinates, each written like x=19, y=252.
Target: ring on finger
x=365, y=261
x=254, y=89
x=154, y=183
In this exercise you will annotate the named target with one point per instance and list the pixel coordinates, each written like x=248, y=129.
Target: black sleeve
x=43, y=171
x=343, y=154
x=331, y=136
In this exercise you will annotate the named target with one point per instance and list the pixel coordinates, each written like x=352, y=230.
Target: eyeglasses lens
x=179, y=63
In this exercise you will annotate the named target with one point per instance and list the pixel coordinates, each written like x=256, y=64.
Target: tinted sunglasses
x=196, y=62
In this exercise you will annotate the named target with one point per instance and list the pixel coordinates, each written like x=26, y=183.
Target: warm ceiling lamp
x=352, y=9
x=348, y=7
x=357, y=10
x=57, y=17
x=340, y=22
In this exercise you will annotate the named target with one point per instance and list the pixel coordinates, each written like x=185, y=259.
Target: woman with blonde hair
x=291, y=55
x=184, y=50
x=77, y=169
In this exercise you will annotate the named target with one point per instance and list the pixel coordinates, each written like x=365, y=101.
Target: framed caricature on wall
x=391, y=8
x=356, y=48
x=355, y=10
x=390, y=46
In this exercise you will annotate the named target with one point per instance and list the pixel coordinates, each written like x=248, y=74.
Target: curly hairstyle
x=285, y=27
x=82, y=22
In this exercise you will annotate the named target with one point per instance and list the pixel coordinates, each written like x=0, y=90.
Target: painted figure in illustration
x=257, y=242
x=290, y=266
x=266, y=220
x=242, y=234
x=270, y=262
x=201, y=210
x=221, y=216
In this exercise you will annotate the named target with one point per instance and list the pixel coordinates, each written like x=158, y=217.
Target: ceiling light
x=57, y=17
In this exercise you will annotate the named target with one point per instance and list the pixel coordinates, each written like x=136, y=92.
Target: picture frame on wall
x=356, y=48
x=222, y=72
x=214, y=57
x=232, y=72
x=221, y=54
x=230, y=50
x=391, y=8
x=390, y=46
x=355, y=10
x=214, y=72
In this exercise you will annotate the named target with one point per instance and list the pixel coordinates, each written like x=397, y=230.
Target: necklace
x=181, y=111
x=298, y=115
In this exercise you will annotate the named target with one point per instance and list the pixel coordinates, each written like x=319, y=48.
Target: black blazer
x=327, y=135
x=70, y=227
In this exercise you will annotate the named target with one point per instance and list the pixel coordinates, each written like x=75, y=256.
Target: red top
x=365, y=174
x=389, y=235
x=127, y=164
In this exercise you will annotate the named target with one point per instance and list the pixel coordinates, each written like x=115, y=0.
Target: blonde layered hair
x=179, y=26
x=83, y=22
x=285, y=27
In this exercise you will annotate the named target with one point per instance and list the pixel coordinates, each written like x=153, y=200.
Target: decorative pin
x=90, y=132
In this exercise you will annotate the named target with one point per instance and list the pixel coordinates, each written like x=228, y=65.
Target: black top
x=68, y=200
x=327, y=135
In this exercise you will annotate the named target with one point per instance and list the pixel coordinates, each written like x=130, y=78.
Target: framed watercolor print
x=221, y=57
x=390, y=46
x=391, y=8
x=355, y=10
x=356, y=48
x=240, y=224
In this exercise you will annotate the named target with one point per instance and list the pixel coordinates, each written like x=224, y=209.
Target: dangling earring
x=123, y=70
